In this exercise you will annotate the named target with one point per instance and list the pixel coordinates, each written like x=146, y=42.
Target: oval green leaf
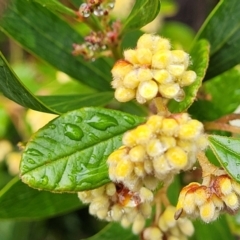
x=223, y=33
x=223, y=96
x=143, y=12
x=18, y=201
x=199, y=56
x=14, y=89
x=49, y=37
x=114, y=231
x=69, y=153
x=227, y=151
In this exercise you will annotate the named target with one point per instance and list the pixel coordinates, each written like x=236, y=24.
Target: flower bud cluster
x=97, y=7
x=152, y=69
x=156, y=151
x=168, y=228
x=207, y=201
x=115, y=202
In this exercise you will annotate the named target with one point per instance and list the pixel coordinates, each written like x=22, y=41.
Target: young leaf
x=114, y=231
x=56, y=6
x=143, y=12
x=18, y=201
x=69, y=153
x=199, y=56
x=227, y=152
x=13, y=89
x=223, y=96
x=49, y=37
x=65, y=103
x=222, y=30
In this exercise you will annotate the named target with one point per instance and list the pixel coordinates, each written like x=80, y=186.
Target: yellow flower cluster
x=168, y=228
x=156, y=151
x=115, y=202
x=221, y=194
x=152, y=69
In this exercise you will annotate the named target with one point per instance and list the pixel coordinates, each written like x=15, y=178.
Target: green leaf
x=222, y=30
x=49, y=37
x=13, y=89
x=199, y=56
x=69, y=153
x=114, y=231
x=217, y=230
x=223, y=96
x=65, y=103
x=143, y=12
x=227, y=151
x=18, y=201
x=56, y=6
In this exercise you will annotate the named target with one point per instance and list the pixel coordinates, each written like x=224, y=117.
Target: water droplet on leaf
x=34, y=152
x=102, y=122
x=73, y=132
x=225, y=164
x=129, y=119
x=52, y=126
x=44, y=180
x=31, y=161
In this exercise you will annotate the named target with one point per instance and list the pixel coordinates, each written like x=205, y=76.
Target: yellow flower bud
x=207, y=212
x=138, y=224
x=190, y=130
x=143, y=134
x=189, y=205
x=168, y=142
x=176, y=157
x=187, y=78
x=148, y=166
x=162, y=44
x=110, y=189
x=137, y=153
x=116, y=212
x=236, y=187
x=162, y=76
x=144, y=56
x=139, y=169
x=129, y=138
x=131, y=80
x=148, y=89
x=116, y=83
x=145, y=209
x=180, y=57
x=161, y=166
x=146, y=195
x=85, y=196
x=176, y=69
x=186, y=226
x=151, y=182
x=155, y=123
x=154, y=148
x=130, y=55
x=123, y=94
x=123, y=169
x=152, y=233
x=117, y=156
x=168, y=216
x=231, y=200
x=170, y=90
x=102, y=213
x=125, y=222
x=98, y=191
x=201, y=195
x=169, y=126
x=146, y=41
x=121, y=68
x=161, y=59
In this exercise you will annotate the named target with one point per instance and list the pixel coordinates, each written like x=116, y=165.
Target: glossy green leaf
x=223, y=96
x=49, y=37
x=219, y=230
x=199, y=57
x=65, y=103
x=114, y=231
x=18, y=201
x=222, y=30
x=143, y=12
x=227, y=151
x=13, y=89
x=69, y=153
x=54, y=5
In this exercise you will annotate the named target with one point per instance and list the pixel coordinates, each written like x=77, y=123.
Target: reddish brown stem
x=221, y=126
